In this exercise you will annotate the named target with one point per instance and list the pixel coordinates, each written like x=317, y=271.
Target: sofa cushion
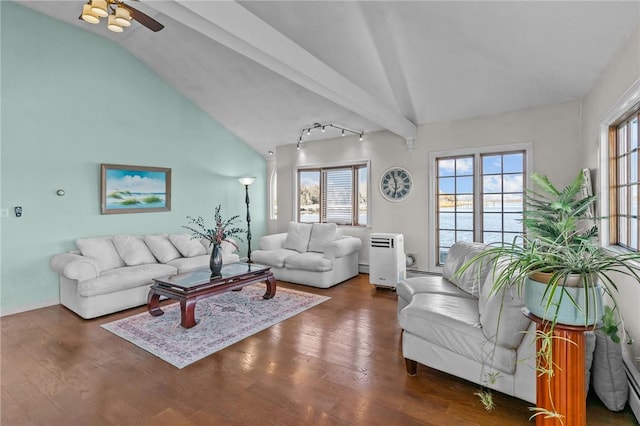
x=161, y=247
x=102, y=251
x=321, y=235
x=473, y=278
x=187, y=245
x=428, y=284
x=273, y=258
x=123, y=278
x=226, y=246
x=298, y=237
x=186, y=264
x=133, y=250
x=313, y=262
x=454, y=324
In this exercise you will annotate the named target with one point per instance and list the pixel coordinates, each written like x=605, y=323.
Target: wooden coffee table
x=190, y=286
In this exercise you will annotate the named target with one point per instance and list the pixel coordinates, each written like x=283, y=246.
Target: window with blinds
x=333, y=195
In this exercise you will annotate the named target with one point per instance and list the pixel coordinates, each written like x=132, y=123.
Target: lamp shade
x=246, y=180
x=99, y=7
x=88, y=14
x=123, y=17
x=112, y=25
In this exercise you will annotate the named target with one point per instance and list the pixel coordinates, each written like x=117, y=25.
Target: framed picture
x=134, y=189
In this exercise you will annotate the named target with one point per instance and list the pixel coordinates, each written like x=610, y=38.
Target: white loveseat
x=112, y=273
x=316, y=254
x=454, y=324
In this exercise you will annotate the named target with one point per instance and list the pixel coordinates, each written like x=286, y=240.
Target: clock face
x=396, y=184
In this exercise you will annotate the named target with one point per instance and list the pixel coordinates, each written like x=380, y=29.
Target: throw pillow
x=187, y=246
x=298, y=237
x=589, y=347
x=102, y=251
x=162, y=248
x=608, y=378
x=322, y=234
x=133, y=250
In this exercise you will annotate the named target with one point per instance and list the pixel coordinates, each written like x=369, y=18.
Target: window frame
x=432, y=194
x=322, y=168
x=273, y=195
x=621, y=108
x=616, y=182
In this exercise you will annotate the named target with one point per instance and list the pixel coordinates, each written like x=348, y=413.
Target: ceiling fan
x=119, y=15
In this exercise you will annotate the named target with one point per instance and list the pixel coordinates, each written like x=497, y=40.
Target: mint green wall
x=72, y=100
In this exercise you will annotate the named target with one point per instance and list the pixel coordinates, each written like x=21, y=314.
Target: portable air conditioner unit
x=387, y=264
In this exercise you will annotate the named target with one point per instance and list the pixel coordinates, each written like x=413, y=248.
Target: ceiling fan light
x=123, y=16
x=88, y=15
x=112, y=25
x=99, y=7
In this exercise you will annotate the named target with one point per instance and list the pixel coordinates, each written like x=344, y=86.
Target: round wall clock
x=396, y=184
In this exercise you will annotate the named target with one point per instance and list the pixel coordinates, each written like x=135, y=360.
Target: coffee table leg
x=187, y=313
x=271, y=287
x=153, y=304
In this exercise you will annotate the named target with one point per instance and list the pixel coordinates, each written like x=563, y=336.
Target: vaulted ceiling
x=267, y=69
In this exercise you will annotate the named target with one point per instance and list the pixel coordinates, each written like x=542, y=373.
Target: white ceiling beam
x=230, y=24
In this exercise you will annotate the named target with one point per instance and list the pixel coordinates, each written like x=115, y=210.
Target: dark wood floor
x=339, y=363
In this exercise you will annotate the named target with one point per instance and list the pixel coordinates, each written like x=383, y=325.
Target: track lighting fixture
x=322, y=127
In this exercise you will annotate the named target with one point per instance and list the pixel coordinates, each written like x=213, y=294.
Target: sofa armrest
x=342, y=247
x=74, y=266
x=273, y=241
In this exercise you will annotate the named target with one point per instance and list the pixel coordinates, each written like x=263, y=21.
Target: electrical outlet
x=4, y=213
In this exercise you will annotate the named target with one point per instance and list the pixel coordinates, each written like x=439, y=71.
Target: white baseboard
x=25, y=308
x=634, y=382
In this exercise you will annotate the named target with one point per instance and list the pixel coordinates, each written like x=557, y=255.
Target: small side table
x=563, y=392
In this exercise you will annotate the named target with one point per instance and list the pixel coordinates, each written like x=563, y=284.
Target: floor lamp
x=246, y=181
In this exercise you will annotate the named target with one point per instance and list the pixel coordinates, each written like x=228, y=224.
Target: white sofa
x=112, y=273
x=454, y=324
x=316, y=254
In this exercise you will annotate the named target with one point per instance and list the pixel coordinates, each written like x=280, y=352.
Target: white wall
x=604, y=101
x=553, y=131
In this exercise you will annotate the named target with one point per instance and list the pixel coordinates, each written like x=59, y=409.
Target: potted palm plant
x=558, y=262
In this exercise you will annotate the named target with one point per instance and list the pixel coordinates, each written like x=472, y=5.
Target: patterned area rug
x=223, y=320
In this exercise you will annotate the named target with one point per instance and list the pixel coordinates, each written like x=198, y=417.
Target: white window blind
x=338, y=195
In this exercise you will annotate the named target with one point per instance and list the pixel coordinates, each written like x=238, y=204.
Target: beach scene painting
x=135, y=189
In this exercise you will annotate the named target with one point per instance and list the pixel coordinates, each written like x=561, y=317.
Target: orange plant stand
x=563, y=392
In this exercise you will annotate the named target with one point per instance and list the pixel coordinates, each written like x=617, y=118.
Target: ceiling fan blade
x=144, y=19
